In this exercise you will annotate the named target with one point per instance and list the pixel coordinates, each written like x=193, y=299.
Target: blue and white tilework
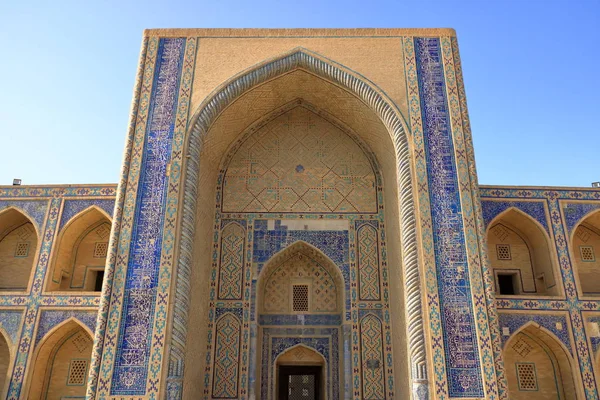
x=36, y=209
x=74, y=207
x=549, y=321
x=460, y=338
x=52, y=318
x=535, y=209
x=10, y=321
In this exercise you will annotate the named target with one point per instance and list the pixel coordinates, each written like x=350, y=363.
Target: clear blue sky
x=531, y=70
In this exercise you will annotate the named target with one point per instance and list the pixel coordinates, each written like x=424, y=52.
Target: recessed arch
x=301, y=355
x=61, y=362
x=77, y=263
x=520, y=252
x=585, y=250
x=291, y=253
x=539, y=366
x=6, y=360
x=19, y=246
x=378, y=109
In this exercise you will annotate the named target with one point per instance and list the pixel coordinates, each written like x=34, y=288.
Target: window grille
x=503, y=251
x=587, y=253
x=22, y=249
x=526, y=376
x=100, y=249
x=77, y=372
x=300, y=297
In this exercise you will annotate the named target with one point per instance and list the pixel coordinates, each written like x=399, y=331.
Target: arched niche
x=301, y=355
x=521, y=257
x=338, y=96
x=585, y=245
x=61, y=363
x=80, y=256
x=18, y=249
x=6, y=358
x=300, y=272
x=539, y=367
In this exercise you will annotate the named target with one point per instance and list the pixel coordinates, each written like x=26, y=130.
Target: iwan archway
x=187, y=254
x=299, y=157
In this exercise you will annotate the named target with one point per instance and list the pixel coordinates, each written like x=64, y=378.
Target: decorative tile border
x=449, y=248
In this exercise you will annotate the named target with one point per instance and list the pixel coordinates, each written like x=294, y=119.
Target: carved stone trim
x=391, y=118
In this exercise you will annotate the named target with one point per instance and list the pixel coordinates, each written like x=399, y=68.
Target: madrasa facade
x=299, y=217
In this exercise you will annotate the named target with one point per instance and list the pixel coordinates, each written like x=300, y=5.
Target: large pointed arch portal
x=162, y=248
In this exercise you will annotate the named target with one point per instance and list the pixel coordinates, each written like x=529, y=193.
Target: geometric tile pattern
x=368, y=262
x=227, y=354
x=299, y=163
x=460, y=337
x=323, y=297
x=371, y=337
x=231, y=267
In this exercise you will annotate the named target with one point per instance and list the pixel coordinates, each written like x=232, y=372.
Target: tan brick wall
x=546, y=379
x=52, y=360
x=82, y=272
x=532, y=253
x=73, y=253
x=78, y=346
x=16, y=270
x=520, y=256
x=588, y=271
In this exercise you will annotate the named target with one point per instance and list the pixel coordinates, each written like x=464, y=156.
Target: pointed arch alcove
x=520, y=254
x=585, y=248
x=292, y=363
x=539, y=366
x=241, y=105
x=18, y=249
x=300, y=292
x=61, y=362
x=6, y=359
x=80, y=256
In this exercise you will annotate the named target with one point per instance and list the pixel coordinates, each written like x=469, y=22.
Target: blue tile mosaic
x=595, y=340
x=36, y=209
x=299, y=320
x=51, y=318
x=535, y=209
x=460, y=340
x=74, y=207
x=10, y=321
x=515, y=321
x=135, y=331
x=574, y=212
